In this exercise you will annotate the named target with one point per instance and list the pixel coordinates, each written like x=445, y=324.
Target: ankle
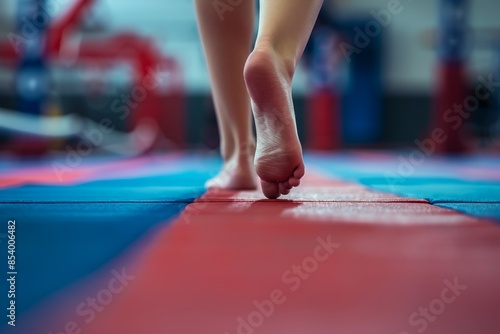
x=226, y=152
x=244, y=151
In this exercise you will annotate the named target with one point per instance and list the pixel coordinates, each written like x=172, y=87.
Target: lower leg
x=226, y=42
x=285, y=27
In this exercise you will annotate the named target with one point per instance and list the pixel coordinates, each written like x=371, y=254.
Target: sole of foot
x=278, y=158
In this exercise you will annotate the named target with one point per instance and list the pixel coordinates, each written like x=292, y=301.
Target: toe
x=210, y=184
x=270, y=189
x=283, y=190
x=294, y=182
x=299, y=171
x=287, y=184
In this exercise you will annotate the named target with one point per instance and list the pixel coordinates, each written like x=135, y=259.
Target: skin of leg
x=227, y=42
x=287, y=25
x=284, y=28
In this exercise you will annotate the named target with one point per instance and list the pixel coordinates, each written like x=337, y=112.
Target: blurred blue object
x=32, y=79
x=362, y=99
x=453, y=29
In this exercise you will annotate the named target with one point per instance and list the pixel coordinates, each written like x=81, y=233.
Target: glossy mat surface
x=138, y=247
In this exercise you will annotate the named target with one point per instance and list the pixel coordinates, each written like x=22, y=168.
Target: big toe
x=270, y=189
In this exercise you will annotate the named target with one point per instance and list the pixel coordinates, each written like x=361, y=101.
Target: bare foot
x=238, y=172
x=278, y=158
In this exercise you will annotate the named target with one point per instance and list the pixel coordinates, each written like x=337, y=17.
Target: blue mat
x=486, y=210
x=67, y=232
x=181, y=187
x=60, y=243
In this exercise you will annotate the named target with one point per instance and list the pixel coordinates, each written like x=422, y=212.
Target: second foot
x=236, y=174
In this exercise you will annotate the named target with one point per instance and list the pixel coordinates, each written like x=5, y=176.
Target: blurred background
x=129, y=77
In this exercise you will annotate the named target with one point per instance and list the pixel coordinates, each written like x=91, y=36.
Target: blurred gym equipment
x=154, y=104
